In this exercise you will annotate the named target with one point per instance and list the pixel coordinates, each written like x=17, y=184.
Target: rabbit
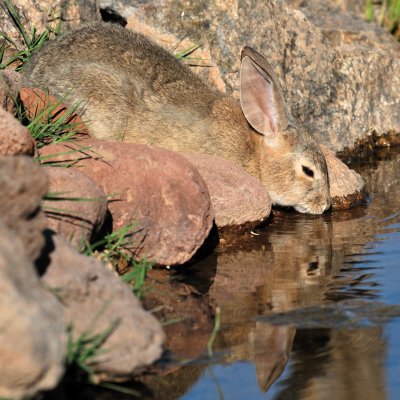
x=130, y=89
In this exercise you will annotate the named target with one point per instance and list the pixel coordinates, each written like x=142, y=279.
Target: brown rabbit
x=130, y=89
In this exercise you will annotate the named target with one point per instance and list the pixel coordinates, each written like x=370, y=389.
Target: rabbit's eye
x=309, y=172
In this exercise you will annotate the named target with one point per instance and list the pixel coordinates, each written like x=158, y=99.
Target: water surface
x=310, y=305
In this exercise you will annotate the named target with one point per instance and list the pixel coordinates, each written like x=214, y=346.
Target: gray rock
x=78, y=208
x=43, y=13
x=14, y=138
x=32, y=327
x=378, y=11
x=156, y=190
x=22, y=186
x=339, y=75
x=238, y=199
x=94, y=298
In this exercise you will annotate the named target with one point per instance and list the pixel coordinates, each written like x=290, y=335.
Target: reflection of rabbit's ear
x=271, y=348
x=260, y=96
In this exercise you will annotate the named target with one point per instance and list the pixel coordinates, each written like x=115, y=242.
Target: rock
x=94, y=299
x=22, y=186
x=32, y=328
x=78, y=220
x=77, y=12
x=333, y=69
x=238, y=199
x=199, y=56
x=156, y=190
x=9, y=90
x=347, y=188
x=378, y=13
x=36, y=102
x=41, y=14
x=14, y=138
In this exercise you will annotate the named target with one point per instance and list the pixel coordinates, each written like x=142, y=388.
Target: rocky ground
x=339, y=79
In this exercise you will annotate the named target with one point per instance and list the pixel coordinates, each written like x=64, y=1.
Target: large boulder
x=32, y=327
x=333, y=69
x=95, y=299
x=156, y=191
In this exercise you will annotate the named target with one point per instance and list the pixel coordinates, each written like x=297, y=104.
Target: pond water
x=309, y=306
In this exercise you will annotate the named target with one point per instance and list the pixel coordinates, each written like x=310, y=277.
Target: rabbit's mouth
x=312, y=208
x=316, y=205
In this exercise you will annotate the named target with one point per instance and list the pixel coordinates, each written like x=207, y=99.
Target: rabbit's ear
x=260, y=96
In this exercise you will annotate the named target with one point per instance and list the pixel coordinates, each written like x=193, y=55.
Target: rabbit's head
x=292, y=166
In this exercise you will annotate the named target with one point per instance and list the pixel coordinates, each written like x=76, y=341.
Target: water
x=309, y=307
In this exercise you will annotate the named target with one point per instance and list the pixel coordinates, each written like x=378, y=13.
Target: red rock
x=77, y=220
x=14, y=138
x=156, y=190
x=238, y=199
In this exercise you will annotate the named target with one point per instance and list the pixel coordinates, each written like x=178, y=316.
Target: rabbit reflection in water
x=130, y=89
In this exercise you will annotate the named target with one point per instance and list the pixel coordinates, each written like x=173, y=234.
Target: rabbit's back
x=125, y=84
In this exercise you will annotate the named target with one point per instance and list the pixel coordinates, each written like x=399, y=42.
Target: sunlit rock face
x=338, y=73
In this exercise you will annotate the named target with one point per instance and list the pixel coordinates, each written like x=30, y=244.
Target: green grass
x=216, y=328
x=112, y=244
x=55, y=197
x=63, y=196
x=184, y=54
x=393, y=17
x=369, y=10
x=386, y=13
x=137, y=275
x=52, y=124
x=32, y=40
x=82, y=350
x=112, y=249
x=81, y=353
x=86, y=150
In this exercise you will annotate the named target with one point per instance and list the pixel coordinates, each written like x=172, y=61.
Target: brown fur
x=130, y=89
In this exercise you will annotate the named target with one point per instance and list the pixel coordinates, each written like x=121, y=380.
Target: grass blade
x=17, y=21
